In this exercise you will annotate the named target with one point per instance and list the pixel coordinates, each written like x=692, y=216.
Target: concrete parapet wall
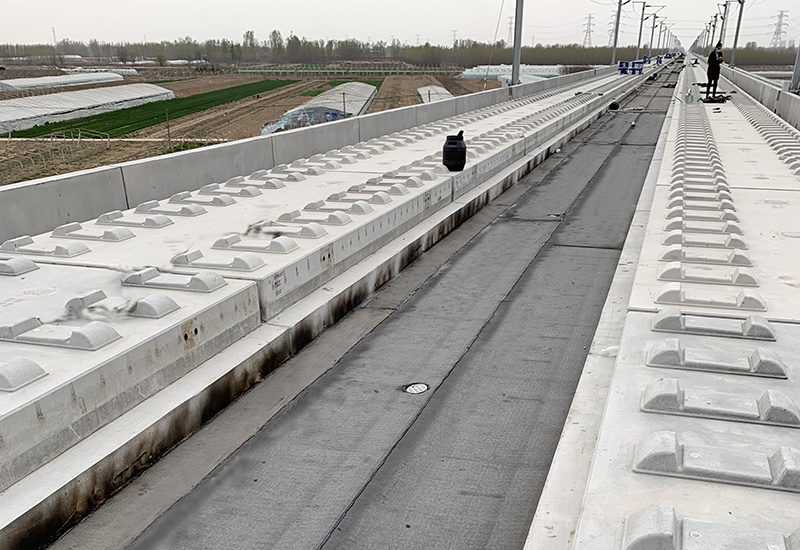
x=770, y=95
x=386, y=122
x=430, y=112
x=305, y=142
x=85, y=195
x=789, y=108
x=161, y=177
x=36, y=206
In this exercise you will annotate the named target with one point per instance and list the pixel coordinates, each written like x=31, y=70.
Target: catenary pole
x=736, y=36
x=652, y=33
x=795, y=85
x=713, y=30
x=724, y=23
x=641, y=23
x=616, y=32
x=517, y=44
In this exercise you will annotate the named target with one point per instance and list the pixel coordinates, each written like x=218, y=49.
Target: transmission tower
x=611, y=26
x=587, y=37
x=510, y=31
x=777, y=36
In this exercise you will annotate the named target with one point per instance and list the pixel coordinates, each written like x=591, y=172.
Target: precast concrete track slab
x=498, y=334
x=697, y=444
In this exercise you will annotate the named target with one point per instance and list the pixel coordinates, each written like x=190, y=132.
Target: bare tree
x=122, y=53
x=276, y=44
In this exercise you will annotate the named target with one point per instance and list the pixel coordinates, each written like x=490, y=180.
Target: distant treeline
x=751, y=54
x=277, y=49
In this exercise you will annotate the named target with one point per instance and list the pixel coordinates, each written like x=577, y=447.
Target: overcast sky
x=548, y=22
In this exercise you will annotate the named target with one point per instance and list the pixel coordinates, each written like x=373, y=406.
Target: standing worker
x=714, y=61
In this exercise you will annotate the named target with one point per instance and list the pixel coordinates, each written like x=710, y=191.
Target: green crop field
x=125, y=121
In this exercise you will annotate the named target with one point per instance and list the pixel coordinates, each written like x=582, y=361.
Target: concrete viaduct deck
x=601, y=339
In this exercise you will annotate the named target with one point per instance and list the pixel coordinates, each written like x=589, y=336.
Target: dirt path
x=400, y=91
x=237, y=120
x=463, y=86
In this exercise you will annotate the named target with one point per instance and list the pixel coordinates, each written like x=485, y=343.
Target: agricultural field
x=208, y=108
x=125, y=121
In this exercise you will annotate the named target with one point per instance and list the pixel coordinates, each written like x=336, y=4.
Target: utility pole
x=660, y=30
x=736, y=36
x=510, y=30
x=724, y=21
x=517, y=44
x=169, y=136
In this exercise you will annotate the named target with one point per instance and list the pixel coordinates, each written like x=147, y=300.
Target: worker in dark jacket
x=714, y=61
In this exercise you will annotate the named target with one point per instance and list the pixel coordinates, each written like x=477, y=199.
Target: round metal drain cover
x=416, y=388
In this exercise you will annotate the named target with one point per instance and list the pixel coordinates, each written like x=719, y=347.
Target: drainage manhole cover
x=416, y=388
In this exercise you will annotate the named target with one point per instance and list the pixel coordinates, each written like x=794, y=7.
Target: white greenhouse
x=82, y=70
x=41, y=82
x=343, y=101
x=26, y=112
x=493, y=71
x=429, y=94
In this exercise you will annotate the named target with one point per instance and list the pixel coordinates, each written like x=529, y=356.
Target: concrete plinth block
x=13, y=267
x=336, y=217
x=658, y=453
x=151, y=278
x=183, y=210
x=277, y=245
x=778, y=408
x=246, y=261
x=676, y=271
x=658, y=528
x=25, y=245
x=89, y=337
x=654, y=528
x=663, y=395
x=753, y=327
x=17, y=372
x=241, y=191
x=155, y=306
x=116, y=217
x=186, y=197
x=260, y=179
x=98, y=301
x=675, y=293
x=75, y=230
x=670, y=354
